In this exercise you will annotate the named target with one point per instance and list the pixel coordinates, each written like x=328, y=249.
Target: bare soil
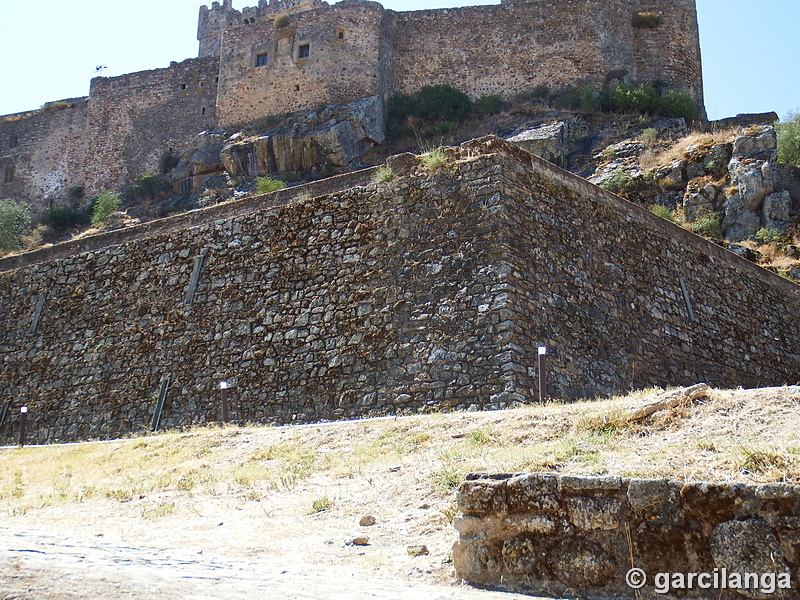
x=246, y=512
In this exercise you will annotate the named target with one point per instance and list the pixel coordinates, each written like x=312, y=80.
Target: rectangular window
x=304, y=51
x=261, y=60
x=14, y=141
x=9, y=174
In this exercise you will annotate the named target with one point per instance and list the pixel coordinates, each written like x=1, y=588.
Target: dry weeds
x=302, y=489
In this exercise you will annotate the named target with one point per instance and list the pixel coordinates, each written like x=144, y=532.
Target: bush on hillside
x=15, y=221
x=102, y=207
x=789, y=140
x=61, y=218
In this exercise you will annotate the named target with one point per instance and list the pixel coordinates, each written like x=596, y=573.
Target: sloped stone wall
x=617, y=537
x=431, y=290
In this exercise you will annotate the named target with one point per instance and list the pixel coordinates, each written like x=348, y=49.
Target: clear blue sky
x=50, y=48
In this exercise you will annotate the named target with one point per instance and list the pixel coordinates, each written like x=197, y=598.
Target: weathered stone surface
x=747, y=546
x=581, y=563
x=745, y=252
x=758, y=141
x=525, y=555
x=591, y=514
x=777, y=211
x=753, y=179
x=547, y=141
x=661, y=526
x=337, y=136
x=368, y=299
x=532, y=493
x=367, y=521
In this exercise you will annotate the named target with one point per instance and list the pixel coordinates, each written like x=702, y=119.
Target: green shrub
x=629, y=98
x=282, y=21
x=789, y=139
x=432, y=102
x=489, y=105
x=383, y=173
x=618, y=183
x=265, y=185
x=105, y=205
x=61, y=218
x=765, y=235
x=147, y=186
x=676, y=104
x=649, y=137
x=540, y=91
x=435, y=158
x=708, y=224
x=663, y=212
x=15, y=221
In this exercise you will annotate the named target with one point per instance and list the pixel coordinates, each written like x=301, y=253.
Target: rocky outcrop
x=335, y=139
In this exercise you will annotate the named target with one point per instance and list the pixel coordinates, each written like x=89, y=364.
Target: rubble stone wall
x=431, y=290
x=582, y=536
x=134, y=118
x=42, y=153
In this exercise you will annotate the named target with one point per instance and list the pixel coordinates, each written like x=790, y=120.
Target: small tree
x=147, y=186
x=265, y=185
x=15, y=221
x=789, y=139
x=105, y=205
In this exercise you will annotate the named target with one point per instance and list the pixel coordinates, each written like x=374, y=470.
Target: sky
x=50, y=48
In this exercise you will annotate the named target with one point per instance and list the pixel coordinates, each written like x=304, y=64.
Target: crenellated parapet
x=272, y=7
x=212, y=22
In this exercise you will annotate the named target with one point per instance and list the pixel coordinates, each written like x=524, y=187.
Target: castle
x=288, y=55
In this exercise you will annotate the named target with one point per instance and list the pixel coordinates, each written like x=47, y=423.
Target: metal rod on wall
x=23, y=418
x=223, y=392
x=542, y=373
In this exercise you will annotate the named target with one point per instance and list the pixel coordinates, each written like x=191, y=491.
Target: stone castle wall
x=249, y=69
x=134, y=118
x=514, y=47
x=345, y=61
x=581, y=536
x=429, y=291
x=42, y=153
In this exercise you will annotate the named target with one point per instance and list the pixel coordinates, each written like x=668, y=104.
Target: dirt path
x=44, y=566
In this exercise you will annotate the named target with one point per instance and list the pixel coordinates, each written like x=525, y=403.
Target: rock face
x=547, y=141
x=581, y=536
x=334, y=139
x=753, y=176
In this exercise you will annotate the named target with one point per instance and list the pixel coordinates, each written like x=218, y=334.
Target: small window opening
x=14, y=141
x=339, y=33
x=9, y=174
x=203, y=111
x=261, y=60
x=296, y=88
x=304, y=51
x=183, y=86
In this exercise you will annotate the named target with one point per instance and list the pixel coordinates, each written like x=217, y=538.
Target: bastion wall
x=432, y=290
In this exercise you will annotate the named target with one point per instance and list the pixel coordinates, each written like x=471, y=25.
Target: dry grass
x=736, y=436
x=678, y=150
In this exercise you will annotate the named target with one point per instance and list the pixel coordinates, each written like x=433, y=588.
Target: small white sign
x=23, y=410
x=223, y=385
x=542, y=350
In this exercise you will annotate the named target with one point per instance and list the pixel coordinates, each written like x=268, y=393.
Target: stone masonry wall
x=581, y=536
x=45, y=151
x=355, y=303
x=134, y=118
x=345, y=62
x=514, y=47
x=431, y=290
x=624, y=299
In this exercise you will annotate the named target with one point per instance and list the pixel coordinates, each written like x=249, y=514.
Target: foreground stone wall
x=581, y=536
x=431, y=290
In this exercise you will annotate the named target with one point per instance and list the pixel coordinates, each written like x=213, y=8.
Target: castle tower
x=212, y=22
